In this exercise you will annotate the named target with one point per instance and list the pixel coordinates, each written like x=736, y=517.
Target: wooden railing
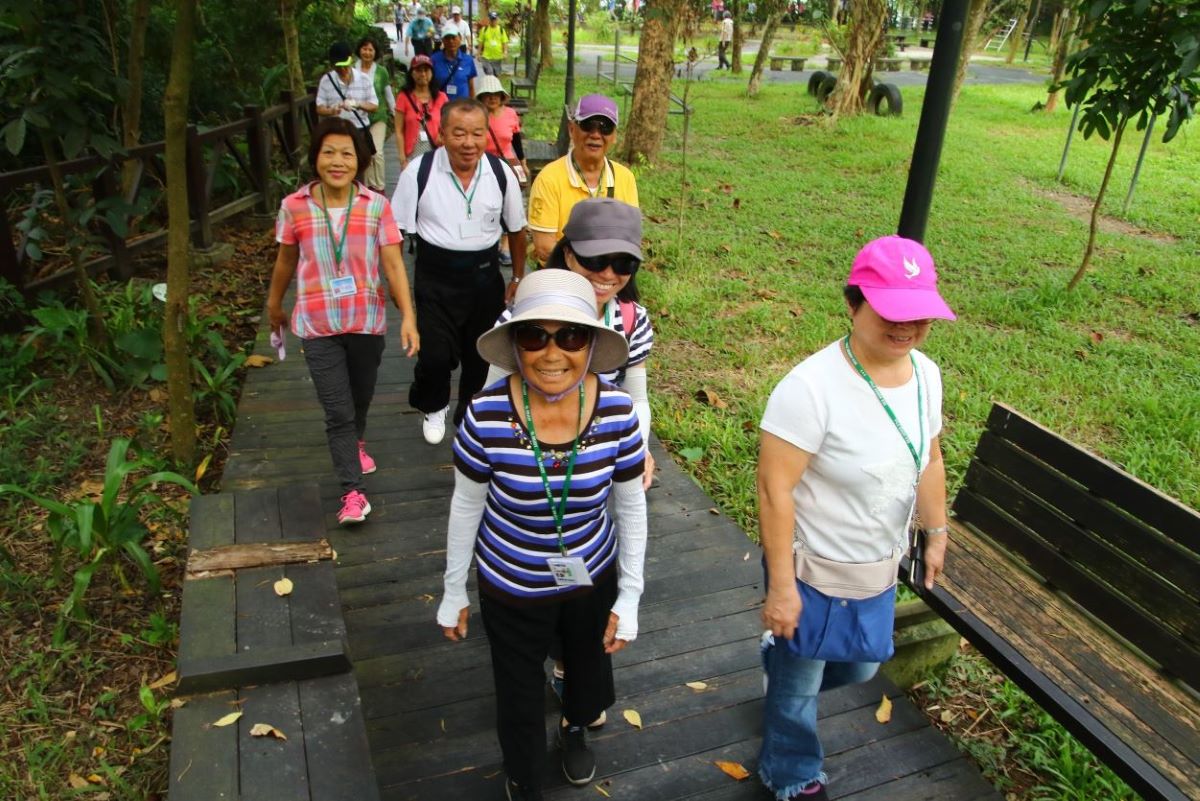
x=271, y=136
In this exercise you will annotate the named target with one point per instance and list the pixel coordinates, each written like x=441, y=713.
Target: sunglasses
x=621, y=263
x=570, y=338
x=602, y=124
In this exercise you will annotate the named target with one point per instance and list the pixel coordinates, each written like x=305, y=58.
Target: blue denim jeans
x=791, y=755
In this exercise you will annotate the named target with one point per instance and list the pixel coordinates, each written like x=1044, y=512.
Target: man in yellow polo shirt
x=584, y=172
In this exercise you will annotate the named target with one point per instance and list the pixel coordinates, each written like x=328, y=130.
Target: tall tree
x=291, y=46
x=764, y=48
x=1066, y=41
x=977, y=13
x=542, y=36
x=867, y=18
x=652, y=84
x=180, y=402
x=1018, y=34
x=739, y=38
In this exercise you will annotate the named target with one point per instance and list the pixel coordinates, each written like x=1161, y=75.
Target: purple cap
x=897, y=277
x=595, y=106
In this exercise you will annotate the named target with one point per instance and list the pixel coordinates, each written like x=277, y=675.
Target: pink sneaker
x=355, y=508
x=364, y=460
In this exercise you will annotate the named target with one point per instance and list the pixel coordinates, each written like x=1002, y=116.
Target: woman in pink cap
x=849, y=455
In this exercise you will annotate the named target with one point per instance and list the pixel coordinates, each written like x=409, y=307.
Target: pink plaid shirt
x=317, y=312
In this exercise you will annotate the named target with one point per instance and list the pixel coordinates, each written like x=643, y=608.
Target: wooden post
x=197, y=179
x=106, y=185
x=257, y=141
x=291, y=123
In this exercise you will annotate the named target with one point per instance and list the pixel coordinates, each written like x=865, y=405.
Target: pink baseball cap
x=897, y=277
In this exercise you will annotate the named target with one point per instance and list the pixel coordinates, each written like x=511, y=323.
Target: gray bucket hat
x=557, y=296
x=599, y=226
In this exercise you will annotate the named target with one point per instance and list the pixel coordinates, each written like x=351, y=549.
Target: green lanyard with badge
x=342, y=285
x=568, y=571
x=594, y=192
x=470, y=229
x=918, y=453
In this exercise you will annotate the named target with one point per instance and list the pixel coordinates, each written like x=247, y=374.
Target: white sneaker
x=433, y=426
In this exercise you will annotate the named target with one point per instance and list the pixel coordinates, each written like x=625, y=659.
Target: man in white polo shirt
x=456, y=22
x=457, y=203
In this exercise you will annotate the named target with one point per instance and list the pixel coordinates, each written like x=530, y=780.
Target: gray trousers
x=343, y=369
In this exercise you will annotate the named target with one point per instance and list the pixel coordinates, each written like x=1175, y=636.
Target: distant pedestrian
x=421, y=33
x=723, y=42
x=380, y=81
x=334, y=236
x=453, y=69
x=461, y=26
x=493, y=45
x=418, y=111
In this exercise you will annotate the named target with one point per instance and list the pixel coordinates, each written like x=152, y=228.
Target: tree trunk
x=343, y=14
x=291, y=46
x=977, y=14
x=739, y=36
x=833, y=10
x=542, y=37
x=1056, y=28
x=181, y=406
x=760, y=60
x=1018, y=34
x=652, y=85
x=862, y=43
x=1066, y=40
x=131, y=110
x=1091, y=243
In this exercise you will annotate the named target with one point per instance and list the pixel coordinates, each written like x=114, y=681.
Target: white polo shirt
x=360, y=89
x=443, y=221
x=461, y=26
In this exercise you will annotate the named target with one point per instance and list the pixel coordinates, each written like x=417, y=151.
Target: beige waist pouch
x=853, y=580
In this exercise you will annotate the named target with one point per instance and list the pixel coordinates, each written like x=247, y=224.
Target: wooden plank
x=268, y=768
x=264, y=619
x=1102, y=477
x=262, y=665
x=316, y=612
x=210, y=521
x=257, y=554
x=256, y=515
x=335, y=741
x=300, y=512
x=204, y=758
x=208, y=619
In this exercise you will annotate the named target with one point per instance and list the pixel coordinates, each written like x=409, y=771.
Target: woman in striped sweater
x=538, y=457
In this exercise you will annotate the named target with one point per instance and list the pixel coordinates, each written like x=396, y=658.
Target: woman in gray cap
x=548, y=497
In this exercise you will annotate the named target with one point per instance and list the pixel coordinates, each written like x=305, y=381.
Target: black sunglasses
x=602, y=124
x=532, y=337
x=621, y=263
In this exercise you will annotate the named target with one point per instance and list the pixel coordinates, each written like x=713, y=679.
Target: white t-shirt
x=854, y=500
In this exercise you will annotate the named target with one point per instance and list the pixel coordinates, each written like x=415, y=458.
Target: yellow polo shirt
x=558, y=188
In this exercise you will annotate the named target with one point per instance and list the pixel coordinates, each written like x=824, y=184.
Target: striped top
x=640, y=339
x=517, y=532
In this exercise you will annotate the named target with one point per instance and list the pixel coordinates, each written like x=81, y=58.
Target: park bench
x=523, y=88
x=278, y=659
x=796, y=63
x=888, y=64
x=833, y=63
x=1082, y=584
x=919, y=63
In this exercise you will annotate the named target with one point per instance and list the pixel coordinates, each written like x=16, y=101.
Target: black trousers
x=722, y=61
x=422, y=47
x=455, y=304
x=519, y=638
x=343, y=369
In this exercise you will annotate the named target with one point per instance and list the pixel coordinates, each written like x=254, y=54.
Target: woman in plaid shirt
x=334, y=234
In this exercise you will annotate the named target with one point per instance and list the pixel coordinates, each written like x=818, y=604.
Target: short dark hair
x=854, y=296
x=463, y=104
x=366, y=40
x=331, y=126
x=557, y=260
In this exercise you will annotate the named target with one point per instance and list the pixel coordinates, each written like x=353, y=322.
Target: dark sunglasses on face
x=621, y=263
x=602, y=124
x=571, y=338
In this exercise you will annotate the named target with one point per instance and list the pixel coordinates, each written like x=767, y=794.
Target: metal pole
x=1062, y=165
x=935, y=112
x=1031, y=28
x=1137, y=168
x=570, y=88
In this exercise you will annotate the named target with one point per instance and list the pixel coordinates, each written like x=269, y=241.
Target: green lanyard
x=917, y=455
x=559, y=511
x=591, y=192
x=474, y=186
x=337, y=245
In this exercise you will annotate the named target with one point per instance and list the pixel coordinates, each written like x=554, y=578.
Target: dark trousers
x=422, y=47
x=343, y=369
x=722, y=61
x=455, y=304
x=519, y=638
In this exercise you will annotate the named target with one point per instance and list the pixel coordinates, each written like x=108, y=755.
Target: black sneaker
x=516, y=792
x=578, y=761
x=812, y=792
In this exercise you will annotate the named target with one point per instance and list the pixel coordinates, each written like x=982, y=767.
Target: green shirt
x=493, y=39
x=380, y=78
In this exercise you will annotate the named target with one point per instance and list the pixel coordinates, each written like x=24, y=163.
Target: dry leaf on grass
x=76, y=781
x=697, y=685
x=884, y=713
x=95, y=778
x=283, y=587
x=633, y=717
x=227, y=719
x=733, y=770
x=266, y=730
x=258, y=360
x=164, y=681
x=202, y=468
x=710, y=398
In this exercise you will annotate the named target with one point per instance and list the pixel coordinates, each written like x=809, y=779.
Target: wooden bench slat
x=1162, y=556
x=1103, y=478
x=1163, y=646
x=1155, y=599
x=335, y=740
x=269, y=767
x=263, y=665
x=204, y=757
x=257, y=554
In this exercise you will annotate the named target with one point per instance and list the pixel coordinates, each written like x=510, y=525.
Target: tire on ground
x=815, y=80
x=826, y=87
x=885, y=100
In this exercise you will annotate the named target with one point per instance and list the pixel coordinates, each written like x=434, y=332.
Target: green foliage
x=105, y=530
x=1140, y=60
x=217, y=388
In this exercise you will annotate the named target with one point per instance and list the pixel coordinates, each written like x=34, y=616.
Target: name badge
x=569, y=571
x=470, y=229
x=452, y=90
x=422, y=136
x=343, y=286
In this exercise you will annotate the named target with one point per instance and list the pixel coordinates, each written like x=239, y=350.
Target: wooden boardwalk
x=429, y=704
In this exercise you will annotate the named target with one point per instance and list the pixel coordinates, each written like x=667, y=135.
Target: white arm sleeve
x=637, y=387
x=629, y=514
x=466, y=510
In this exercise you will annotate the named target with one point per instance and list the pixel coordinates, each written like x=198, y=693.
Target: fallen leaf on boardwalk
x=443, y=725
x=602, y=791
x=227, y=719
x=202, y=468
x=164, y=681
x=884, y=713
x=266, y=730
x=427, y=598
x=746, y=557
x=733, y=770
x=258, y=360
x=697, y=685
x=633, y=717
x=712, y=510
x=76, y=781
x=283, y=587
x=177, y=703
x=710, y=398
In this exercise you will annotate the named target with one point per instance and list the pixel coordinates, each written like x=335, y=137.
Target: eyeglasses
x=621, y=263
x=571, y=338
x=602, y=124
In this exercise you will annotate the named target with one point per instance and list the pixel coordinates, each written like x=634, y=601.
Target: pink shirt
x=502, y=127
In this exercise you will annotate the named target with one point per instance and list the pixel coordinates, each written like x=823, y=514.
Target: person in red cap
x=418, y=111
x=850, y=453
